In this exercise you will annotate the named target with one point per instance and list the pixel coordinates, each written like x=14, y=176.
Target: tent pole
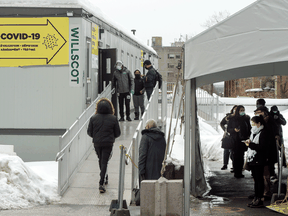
x=187, y=156
x=193, y=135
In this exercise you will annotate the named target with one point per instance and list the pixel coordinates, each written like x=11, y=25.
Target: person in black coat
x=150, y=78
x=279, y=120
x=223, y=124
x=271, y=150
x=151, y=152
x=103, y=128
x=256, y=158
x=138, y=96
x=239, y=128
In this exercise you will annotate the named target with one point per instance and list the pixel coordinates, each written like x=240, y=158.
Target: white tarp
x=252, y=42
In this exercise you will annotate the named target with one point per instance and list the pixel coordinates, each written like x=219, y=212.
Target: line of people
x=126, y=85
x=260, y=139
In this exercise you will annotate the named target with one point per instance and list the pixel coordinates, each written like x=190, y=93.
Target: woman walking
x=103, y=128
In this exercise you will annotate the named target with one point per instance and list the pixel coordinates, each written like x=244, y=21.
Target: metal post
x=217, y=112
x=187, y=148
x=193, y=135
x=121, y=177
x=280, y=170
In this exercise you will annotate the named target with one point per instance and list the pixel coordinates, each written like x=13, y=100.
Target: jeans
x=103, y=154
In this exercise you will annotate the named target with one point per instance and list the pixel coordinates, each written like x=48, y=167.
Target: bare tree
x=283, y=86
x=215, y=18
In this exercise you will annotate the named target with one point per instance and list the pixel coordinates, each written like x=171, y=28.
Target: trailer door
x=107, y=61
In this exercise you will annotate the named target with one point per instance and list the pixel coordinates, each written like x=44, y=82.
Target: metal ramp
x=84, y=186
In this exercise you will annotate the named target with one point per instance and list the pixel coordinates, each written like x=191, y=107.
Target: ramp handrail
x=151, y=112
x=75, y=145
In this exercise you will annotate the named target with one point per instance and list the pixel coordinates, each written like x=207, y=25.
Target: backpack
x=158, y=78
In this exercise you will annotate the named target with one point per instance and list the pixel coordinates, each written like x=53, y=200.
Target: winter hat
x=137, y=70
x=274, y=108
x=119, y=61
x=147, y=62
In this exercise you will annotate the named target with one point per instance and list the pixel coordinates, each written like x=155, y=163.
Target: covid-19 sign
x=34, y=41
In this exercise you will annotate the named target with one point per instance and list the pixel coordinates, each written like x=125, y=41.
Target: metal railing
x=209, y=107
x=75, y=145
x=151, y=112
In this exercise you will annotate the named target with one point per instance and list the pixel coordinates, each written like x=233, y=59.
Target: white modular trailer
x=49, y=60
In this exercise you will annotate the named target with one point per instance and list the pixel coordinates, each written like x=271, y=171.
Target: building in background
x=169, y=59
x=258, y=87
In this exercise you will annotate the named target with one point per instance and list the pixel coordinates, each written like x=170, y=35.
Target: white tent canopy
x=250, y=43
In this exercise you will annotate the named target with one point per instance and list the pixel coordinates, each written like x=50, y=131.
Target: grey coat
x=151, y=153
x=123, y=80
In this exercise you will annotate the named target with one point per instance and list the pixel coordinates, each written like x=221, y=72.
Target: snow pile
x=210, y=141
x=21, y=187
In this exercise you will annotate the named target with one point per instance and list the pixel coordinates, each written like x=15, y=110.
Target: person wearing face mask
x=255, y=158
x=239, y=128
x=123, y=81
x=150, y=78
x=138, y=96
x=261, y=103
x=223, y=125
x=270, y=151
x=278, y=120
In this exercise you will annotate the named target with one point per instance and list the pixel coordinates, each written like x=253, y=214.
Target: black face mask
x=137, y=76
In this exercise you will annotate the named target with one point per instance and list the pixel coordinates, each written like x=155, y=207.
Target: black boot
x=136, y=116
x=128, y=118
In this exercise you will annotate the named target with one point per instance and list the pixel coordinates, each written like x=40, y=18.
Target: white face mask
x=255, y=129
x=118, y=67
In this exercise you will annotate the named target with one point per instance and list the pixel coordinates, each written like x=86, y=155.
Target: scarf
x=255, y=139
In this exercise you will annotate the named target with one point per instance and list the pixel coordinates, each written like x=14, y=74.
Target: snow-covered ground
x=27, y=184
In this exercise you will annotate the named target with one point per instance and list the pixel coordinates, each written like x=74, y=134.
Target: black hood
x=154, y=133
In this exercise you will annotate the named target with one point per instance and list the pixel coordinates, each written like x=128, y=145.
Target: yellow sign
x=142, y=58
x=95, y=33
x=34, y=41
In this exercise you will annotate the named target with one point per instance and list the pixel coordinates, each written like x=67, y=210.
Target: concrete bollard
x=161, y=197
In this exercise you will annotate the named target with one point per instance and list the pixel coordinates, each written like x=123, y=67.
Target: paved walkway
x=84, y=188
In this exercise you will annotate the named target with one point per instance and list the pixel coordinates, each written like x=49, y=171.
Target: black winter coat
x=270, y=130
x=103, y=128
x=150, y=78
x=242, y=123
x=260, y=157
x=151, y=153
x=139, y=85
x=225, y=121
x=278, y=122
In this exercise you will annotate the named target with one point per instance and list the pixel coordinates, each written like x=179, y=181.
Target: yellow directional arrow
x=33, y=41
